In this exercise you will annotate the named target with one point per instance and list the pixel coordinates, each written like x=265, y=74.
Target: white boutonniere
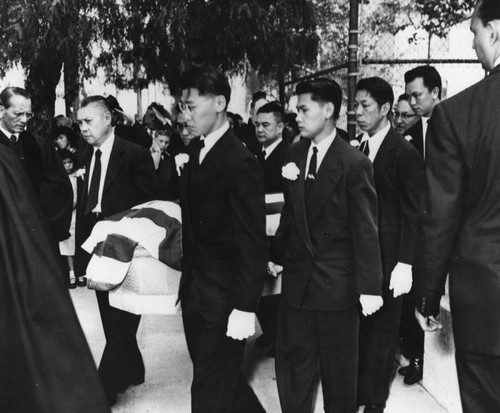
x=408, y=138
x=290, y=171
x=80, y=173
x=180, y=160
x=355, y=143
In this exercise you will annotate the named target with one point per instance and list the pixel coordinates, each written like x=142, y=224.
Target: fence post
x=352, y=66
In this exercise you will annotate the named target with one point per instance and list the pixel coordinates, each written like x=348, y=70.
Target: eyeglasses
x=186, y=109
x=180, y=126
x=19, y=115
x=405, y=116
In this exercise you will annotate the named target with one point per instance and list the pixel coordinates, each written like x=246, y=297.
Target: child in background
x=67, y=247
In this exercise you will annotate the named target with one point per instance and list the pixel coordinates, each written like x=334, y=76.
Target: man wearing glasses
x=404, y=116
x=43, y=166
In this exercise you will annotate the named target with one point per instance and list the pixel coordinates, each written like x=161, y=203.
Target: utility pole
x=352, y=66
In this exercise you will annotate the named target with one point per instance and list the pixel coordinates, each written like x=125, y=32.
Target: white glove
x=401, y=279
x=274, y=269
x=370, y=303
x=240, y=325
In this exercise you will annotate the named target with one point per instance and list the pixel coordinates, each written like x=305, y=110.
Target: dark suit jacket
x=399, y=181
x=224, y=236
x=49, y=180
x=273, y=179
x=130, y=180
x=417, y=133
x=329, y=244
x=461, y=232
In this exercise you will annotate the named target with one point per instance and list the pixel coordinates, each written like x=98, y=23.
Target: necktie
x=13, y=138
x=365, y=148
x=262, y=156
x=93, y=195
x=199, y=146
x=311, y=174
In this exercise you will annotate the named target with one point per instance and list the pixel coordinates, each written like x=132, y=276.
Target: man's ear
x=435, y=92
x=385, y=109
x=329, y=109
x=220, y=103
x=281, y=126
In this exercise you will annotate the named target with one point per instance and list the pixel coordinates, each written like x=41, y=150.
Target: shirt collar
x=497, y=62
x=378, y=137
x=212, y=138
x=325, y=143
x=9, y=134
x=107, y=146
x=272, y=147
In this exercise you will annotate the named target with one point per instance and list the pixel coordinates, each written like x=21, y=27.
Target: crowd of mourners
x=339, y=246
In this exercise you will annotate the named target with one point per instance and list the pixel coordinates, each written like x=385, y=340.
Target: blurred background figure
x=65, y=138
x=156, y=117
x=404, y=116
x=182, y=129
x=67, y=246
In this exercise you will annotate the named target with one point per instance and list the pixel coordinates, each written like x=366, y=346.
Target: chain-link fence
x=391, y=55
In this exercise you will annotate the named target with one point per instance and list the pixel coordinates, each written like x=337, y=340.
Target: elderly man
x=45, y=170
x=461, y=229
x=119, y=174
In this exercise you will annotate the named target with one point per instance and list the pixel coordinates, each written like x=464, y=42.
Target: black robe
x=45, y=362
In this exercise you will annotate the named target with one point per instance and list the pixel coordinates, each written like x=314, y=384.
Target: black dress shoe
x=375, y=408
x=72, y=283
x=81, y=282
x=403, y=370
x=415, y=371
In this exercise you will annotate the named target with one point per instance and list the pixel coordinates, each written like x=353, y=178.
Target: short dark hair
x=404, y=96
x=487, y=10
x=97, y=100
x=11, y=91
x=65, y=154
x=68, y=132
x=260, y=94
x=207, y=80
x=429, y=74
x=379, y=89
x=323, y=90
x=275, y=108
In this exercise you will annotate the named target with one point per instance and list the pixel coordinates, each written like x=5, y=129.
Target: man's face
x=312, y=116
x=182, y=128
x=16, y=116
x=68, y=165
x=267, y=128
x=201, y=111
x=95, y=124
x=404, y=117
x=484, y=42
x=163, y=141
x=369, y=115
x=422, y=100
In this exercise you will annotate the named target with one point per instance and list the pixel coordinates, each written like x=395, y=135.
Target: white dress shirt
x=375, y=141
x=8, y=134
x=211, y=139
x=105, y=149
x=425, y=124
x=322, y=149
x=269, y=150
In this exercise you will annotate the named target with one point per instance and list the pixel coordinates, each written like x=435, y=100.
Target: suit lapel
x=325, y=183
x=115, y=164
x=297, y=189
x=85, y=163
x=388, y=145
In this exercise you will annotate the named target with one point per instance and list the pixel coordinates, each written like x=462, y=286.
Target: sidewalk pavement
x=169, y=369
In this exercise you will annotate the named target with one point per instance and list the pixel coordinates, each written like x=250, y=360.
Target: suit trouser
x=306, y=336
x=479, y=382
x=412, y=335
x=269, y=308
x=219, y=385
x=121, y=363
x=378, y=341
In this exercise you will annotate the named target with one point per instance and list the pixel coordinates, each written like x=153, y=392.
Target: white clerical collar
x=107, y=145
x=269, y=150
x=212, y=138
